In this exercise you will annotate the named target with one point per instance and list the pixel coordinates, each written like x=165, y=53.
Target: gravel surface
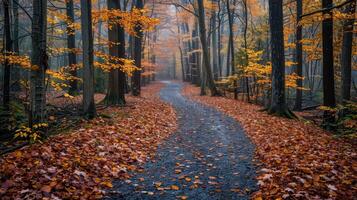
x=209, y=157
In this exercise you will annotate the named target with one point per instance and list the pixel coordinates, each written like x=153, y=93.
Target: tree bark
x=71, y=44
x=327, y=51
x=278, y=103
x=231, y=36
x=8, y=49
x=15, y=72
x=206, y=63
x=135, y=83
x=112, y=97
x=39, y=62
x=298, y=56
x=246, y=46
x=214, y=45
x=89, y=109
x=346, y=53
x=121, y=74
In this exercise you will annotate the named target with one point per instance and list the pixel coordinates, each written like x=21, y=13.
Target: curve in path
x=209, y=157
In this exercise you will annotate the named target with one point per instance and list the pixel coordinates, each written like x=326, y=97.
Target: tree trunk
x=121, y=74
x=220, y=29
x=231, y=48
x=231, y=36
x=39, y=62
x=214, y=46
x=206, y=63
x=71, y=44
x=135, y=84
x=246, y=46
x=327, y=51
x=298, y=56
x=15, y=72
x=8, y=49
x=89, y=109
x=346, y=53
x=112, y=97
x=278, y=103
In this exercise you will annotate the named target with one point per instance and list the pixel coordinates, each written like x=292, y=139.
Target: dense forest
x=178, y=99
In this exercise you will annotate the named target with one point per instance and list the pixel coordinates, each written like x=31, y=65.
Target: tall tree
x=15, y=72
x=245, y=6
x=71, y=44
x=298, y=56
x=214, y=50
x=112, y=97
x=346, y=53
x=89, y=109
x=230, y=50
x=135, y=83
x=278, y=102
x=8, y=49
x=206, y=62
x=327, y=51
x=121, y=54
x=39, y=62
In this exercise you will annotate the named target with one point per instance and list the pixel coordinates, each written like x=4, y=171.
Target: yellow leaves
x=33, y=134
x=174, y=187
x=111, y=62
x=14, y=59
x=128, y=19
x=68, y=95
x=188, y=179
x=18, y=154
x=158, y=184
x=107, y=184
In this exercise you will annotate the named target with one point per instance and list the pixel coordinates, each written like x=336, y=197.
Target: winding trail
x=209, y=157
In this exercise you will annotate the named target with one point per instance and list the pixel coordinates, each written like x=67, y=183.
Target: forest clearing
x=178, y=99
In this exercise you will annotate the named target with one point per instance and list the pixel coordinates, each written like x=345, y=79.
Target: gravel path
x=209, y=157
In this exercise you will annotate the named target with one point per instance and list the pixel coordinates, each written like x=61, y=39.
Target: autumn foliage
x=83, y=162
x=296, y=160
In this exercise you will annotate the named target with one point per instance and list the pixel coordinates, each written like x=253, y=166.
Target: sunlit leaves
x=128, y=20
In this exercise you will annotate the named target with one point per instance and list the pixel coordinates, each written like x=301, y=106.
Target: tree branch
x=327, y=9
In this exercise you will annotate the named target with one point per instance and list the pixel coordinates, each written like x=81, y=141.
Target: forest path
x=209, y=157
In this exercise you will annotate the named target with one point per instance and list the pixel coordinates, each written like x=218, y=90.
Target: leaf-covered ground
x=208, y=157
x=82, y=163
x=300, y=160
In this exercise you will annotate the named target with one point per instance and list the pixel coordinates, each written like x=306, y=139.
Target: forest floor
x=82, y=162
x=183, y=146
x=208, y=157
x=299, y=160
